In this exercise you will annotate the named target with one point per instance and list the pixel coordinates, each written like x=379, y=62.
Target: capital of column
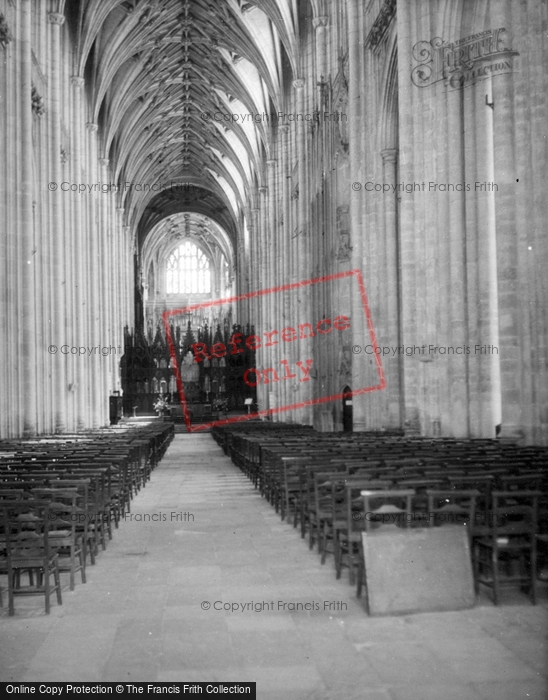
x=56, y=18
x=104, y=162
x=120, y=210
x=298, y=83
x=320, y=22
x=256, y=210
x=271, y=162
x=284, y=128
x=263, y=190
x=389, y=155
x=77, y=81
x=91, y=126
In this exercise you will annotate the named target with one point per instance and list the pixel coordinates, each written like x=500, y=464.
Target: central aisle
x=140, y=617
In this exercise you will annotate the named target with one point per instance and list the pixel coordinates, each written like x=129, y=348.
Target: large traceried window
x=188, y=271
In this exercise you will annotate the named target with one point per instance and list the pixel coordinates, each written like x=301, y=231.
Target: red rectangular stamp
x=304, y=362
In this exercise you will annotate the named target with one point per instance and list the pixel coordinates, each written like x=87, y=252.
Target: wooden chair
x=319, y=510
x=356, y=479
x=386, y=509
x=12, y=494
x=25, y=548
x=289, y=497
x=65, y=537
x=85, y=511
x=521, y=482
x=484, y=484
x=513, y=536
x=348, y=520
x=452, y=507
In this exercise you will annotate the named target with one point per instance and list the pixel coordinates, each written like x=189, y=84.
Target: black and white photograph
x=274, y=377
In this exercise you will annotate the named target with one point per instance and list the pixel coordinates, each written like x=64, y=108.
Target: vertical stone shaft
x=284, y=233
x=94, y=287
x=392, y=367
x=304, y=296
x=27, y=306
x=58, y=269
x=261, y=355
x=359, y=330
x=273, y=279
x=511, y=360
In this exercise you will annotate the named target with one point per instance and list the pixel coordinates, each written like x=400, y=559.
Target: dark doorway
x=347, y=410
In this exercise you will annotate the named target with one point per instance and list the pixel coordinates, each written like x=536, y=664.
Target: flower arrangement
x=160, y=405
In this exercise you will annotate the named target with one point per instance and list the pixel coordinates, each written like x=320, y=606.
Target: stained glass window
x=188, y=271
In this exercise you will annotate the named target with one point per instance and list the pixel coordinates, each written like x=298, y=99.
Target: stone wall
x=66, y=258
x=432, y=186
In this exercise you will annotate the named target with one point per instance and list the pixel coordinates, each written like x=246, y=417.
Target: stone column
x=106, y=261
x=116, y=277
x=255, y=264
x=241, y=308
x=80, y=273
x=303, y=295
x=260, y=355
x=121, y=269
x=250, y=287
x=271, y=281
x=392, y=322
x=130, y=274
x=509, y=312
x=94, y=310
x=461, y=266
x=323, y=414
x=359, y=329
x=284, y=237
x=26, y=368
x=58, y=267
x=319, y=24
x=488, y=369
x=7, y=270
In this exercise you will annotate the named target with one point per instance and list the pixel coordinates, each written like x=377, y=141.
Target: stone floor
x=140, y=616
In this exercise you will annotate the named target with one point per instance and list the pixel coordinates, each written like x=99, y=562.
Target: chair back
x=25, y=532
x=514, y=514
x=385, y=508
x=452, y=507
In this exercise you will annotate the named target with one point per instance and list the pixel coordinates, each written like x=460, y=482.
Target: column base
x=512, y=432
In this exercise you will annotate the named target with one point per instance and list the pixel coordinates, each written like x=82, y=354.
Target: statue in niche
x=344, y=250
x=190, y=372
x=345, y=367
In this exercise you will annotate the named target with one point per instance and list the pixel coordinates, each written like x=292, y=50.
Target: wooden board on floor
x=418, y=570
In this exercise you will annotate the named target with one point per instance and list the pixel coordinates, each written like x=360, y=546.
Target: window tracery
x=188, y=271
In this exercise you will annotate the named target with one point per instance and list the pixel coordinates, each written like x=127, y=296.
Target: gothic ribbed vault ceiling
x=161, y=75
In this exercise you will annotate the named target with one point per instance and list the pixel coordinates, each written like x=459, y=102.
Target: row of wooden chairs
x=316, y=481
x=60, y=496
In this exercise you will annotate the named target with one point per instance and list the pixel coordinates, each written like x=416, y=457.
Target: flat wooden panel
x=418, y=570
